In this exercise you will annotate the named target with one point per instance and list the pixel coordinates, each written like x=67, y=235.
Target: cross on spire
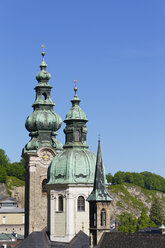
x=43, y=46
x=43, y=52
x=75, y=88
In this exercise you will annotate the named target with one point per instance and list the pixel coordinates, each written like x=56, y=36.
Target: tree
x=156, y=212
x=129, y=177
x=3, y=174
x=109, y=178
x=127, y=223
x=4, y=160
x=16, y=169
x=144, y=220
x=119, y=177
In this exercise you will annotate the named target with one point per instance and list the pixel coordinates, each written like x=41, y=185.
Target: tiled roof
x=131, y=240
x=11, y=210
x=41, y=240
x=9, y=236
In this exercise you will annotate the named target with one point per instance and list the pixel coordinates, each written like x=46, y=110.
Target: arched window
x=44, y=182
x=103, y=217
x=60, y=203
x=81, y=203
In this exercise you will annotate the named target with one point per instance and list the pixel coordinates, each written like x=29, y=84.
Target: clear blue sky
x=116, y=51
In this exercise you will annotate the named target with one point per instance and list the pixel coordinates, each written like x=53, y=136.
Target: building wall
x=72, y=221
x=102, y=229
x=35, y=199
x=12, y=228
x=11, y=218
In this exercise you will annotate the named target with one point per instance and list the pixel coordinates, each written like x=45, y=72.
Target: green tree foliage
x=16, y=169
x=119, y=177
x=127, y=223
x=156, y=212
x=3, y=174
x=145, y=180
x=109, y=178
x=4, y=160
x=144, y=220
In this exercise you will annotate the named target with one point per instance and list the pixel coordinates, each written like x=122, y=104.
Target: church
x=66, y=200
x=65, y=186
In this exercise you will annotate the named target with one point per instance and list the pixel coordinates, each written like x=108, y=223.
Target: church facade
x=59, y=180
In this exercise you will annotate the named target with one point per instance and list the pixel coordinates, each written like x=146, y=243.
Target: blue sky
x=116, y=51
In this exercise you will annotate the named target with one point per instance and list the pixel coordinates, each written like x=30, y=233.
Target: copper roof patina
x=99, y=192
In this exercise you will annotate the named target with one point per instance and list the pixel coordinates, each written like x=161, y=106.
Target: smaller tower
x=99, y=203
x=71, y=177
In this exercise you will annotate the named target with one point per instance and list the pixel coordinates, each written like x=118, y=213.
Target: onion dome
x=43, y=122
x=43, y=75
x=76, y=163
x=75, y=113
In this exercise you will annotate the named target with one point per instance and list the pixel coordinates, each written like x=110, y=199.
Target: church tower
x=39, y=151
x=99, y=203
x=70, y=179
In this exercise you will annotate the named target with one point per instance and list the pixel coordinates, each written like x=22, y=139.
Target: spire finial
x=75, y=88
x=43, y=52
x=99, y=137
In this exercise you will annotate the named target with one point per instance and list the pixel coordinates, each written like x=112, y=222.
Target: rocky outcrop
x=126, y=197
x=15, y=192
x=132, y=199
x=3, y=191
x=19, y=194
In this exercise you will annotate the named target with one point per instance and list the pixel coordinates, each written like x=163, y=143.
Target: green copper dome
x=43, y=122
x=43, y=75
x=76, y=163
x=72, y=165
x=75, y=113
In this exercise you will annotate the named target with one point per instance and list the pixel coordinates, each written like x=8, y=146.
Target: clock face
x=46, y=157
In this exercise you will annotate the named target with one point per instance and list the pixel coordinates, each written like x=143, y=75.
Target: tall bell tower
x=42, y=124
x=99, y=203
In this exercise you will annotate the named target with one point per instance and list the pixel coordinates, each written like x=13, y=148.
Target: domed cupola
x=76, y=163
x=43, y=122
x=75, y=130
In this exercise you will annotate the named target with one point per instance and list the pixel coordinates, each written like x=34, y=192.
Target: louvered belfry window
x=103, y=217
x=77, y=136
x=60, y=203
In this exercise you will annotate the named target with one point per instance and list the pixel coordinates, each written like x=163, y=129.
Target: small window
x=77, y=136
x=81, y=203
x=103, y=217
x=60, y=203
x=44, y=96
x=23, y=219
x=44, y=182
x=94, y=219
x=4, y=219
